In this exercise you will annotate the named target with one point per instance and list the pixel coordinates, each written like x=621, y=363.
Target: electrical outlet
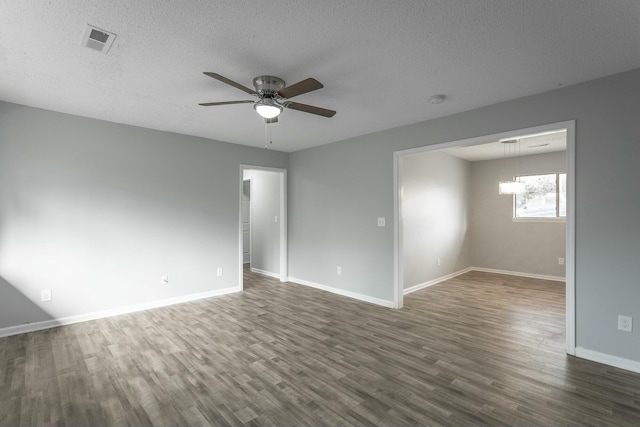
x=164, y=280
x=339, y=271
x=625, y=323
x=560, y=261
x=381, y=222
x=219, y=272
x=45, y=295
x=438, y=262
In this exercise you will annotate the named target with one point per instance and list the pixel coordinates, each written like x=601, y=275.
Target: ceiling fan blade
x=269, y=121
x=309, y=109
x=209, y=104
x=299, y=88
x=230, y=82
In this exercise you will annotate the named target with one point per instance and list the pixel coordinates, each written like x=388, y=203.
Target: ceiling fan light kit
x=267, y=108
x=272, y=93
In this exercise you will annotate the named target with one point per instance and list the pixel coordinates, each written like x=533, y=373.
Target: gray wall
x=98, y=212
x=435, y=211
x=265, y=232
x=500, y=243
x=337, y=191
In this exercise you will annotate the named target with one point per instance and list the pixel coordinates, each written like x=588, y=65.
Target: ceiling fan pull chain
x=270, y=130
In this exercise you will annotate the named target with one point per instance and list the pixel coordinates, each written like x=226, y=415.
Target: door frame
x=283, y=221
x=570, y=245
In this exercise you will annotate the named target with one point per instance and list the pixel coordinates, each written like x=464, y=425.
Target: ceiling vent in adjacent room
x=97, y=39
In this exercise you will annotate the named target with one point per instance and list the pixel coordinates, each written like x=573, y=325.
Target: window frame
x=557, y=218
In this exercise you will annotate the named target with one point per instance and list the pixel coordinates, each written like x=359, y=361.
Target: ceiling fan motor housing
x=268, y=86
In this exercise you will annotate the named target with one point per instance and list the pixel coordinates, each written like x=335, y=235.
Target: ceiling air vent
x=97, y=39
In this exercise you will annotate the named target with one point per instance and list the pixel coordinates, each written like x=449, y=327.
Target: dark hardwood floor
x=480, y=349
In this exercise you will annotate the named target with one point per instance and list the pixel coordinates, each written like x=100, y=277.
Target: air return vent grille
x=97, y=39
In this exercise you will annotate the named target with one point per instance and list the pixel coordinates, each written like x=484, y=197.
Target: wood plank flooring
x=480, y=349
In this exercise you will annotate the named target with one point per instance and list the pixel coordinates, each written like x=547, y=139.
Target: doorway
x=263, y=222
x=245, y=212
x=400, y=257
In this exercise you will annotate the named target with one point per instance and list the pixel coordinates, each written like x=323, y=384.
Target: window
x=544, y=196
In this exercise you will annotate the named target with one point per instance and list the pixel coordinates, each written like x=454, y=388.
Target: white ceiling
x=379, y=60
x=524, y=145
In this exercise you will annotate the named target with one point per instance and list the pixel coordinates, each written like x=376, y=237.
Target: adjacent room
x=319, y=213
x=263, y=218
x=455, y=216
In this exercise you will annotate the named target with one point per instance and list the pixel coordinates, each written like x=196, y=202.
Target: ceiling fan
x=273, y=95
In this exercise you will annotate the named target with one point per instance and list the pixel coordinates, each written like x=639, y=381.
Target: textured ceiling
x=525, y=145
x=378, y=60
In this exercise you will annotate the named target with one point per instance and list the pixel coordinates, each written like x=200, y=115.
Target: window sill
x=541, y=219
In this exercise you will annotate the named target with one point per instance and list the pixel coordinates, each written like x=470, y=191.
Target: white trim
x=484, y=270
x=354, y=295
x=561, y=219
x=518, y=273
x=570, y=220
x=53, y=323
x=570, y=231
x=240, y=245
x=436, y=281
x=608, y=359
x=283, y=226
x=398, y=272
x=265, y=273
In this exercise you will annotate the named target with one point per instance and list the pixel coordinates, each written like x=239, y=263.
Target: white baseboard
x=435, y=281
x=608, y=359
x=265, y=273
x=46, y=324
x=354, y=295
x=485, y=270
x=517, y=273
